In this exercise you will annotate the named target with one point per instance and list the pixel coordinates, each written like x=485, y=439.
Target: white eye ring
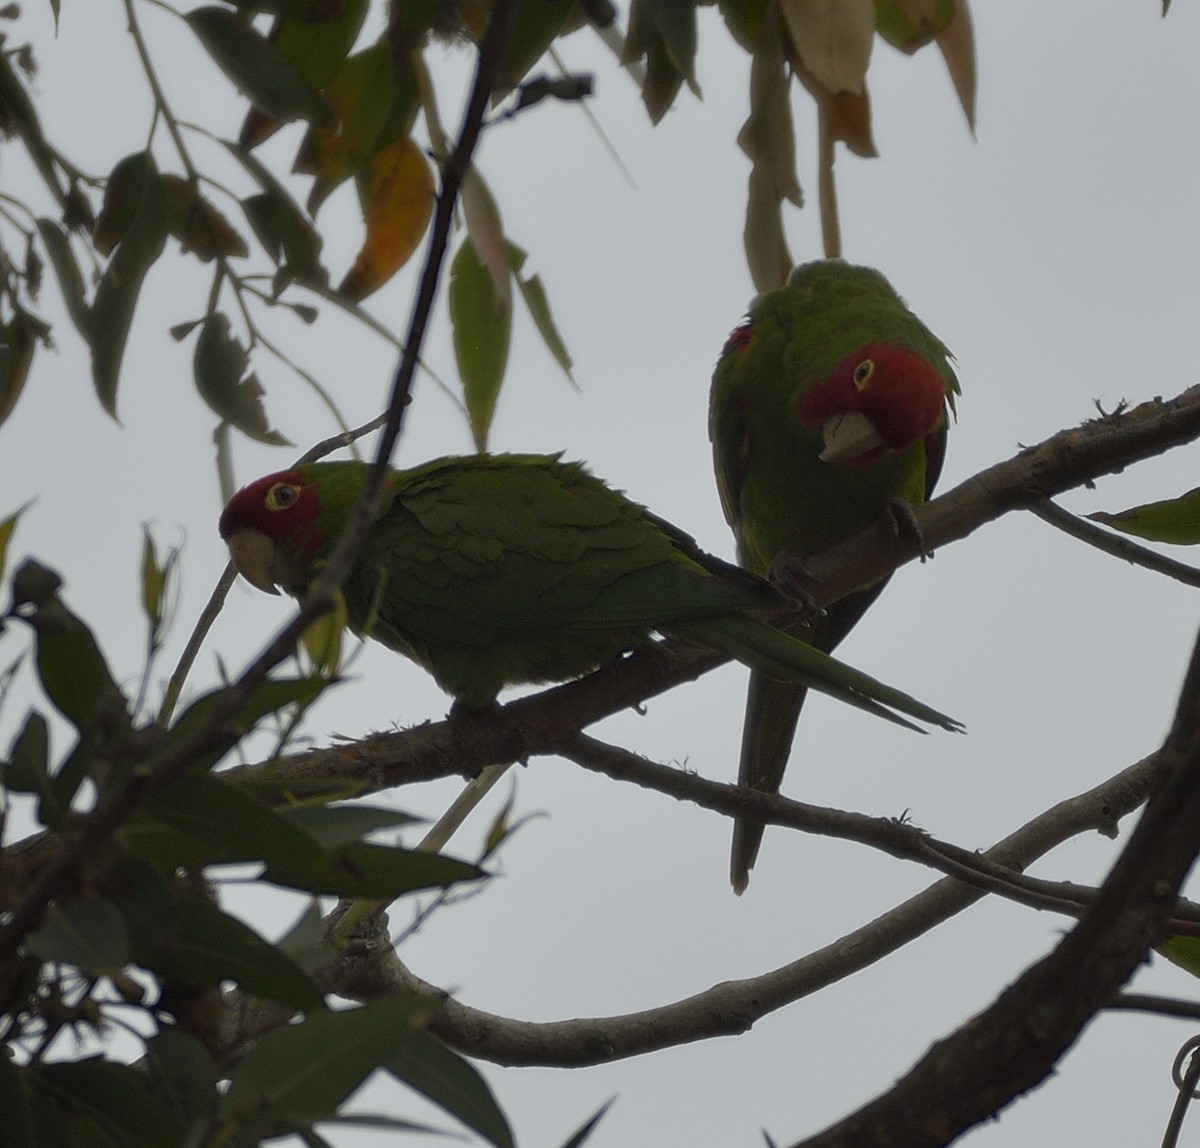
x=863, y=372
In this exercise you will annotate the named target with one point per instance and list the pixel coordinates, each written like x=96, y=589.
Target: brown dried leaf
x=957, y=44
x=833, y=38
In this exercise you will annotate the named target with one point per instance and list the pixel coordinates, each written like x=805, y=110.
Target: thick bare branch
x=1015, y=1043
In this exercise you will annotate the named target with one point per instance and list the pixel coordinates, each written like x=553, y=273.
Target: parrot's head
x=273, y=530
x=880, y=399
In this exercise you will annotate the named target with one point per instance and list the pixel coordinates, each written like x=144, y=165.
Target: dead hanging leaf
x=768, y=138
x=396, y=192
x=833, y=39
x=850, y=118
x=957, y=44
x=763, y=237
x=486, y=229
x=198, y=226
x=219, y=367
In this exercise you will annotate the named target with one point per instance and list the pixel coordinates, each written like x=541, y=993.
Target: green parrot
x=492, y=571
x=828, y=409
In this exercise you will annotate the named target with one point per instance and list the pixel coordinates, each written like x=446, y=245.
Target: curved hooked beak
x=253, y=553
x=848, y=435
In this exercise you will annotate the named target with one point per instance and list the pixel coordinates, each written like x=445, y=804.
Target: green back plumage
x=490, y=570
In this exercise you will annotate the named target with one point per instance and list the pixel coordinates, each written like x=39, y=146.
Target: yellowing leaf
x=1174, y=520
x=322, y=639
x=397, y=200
x=376, y=103
x=833, y=39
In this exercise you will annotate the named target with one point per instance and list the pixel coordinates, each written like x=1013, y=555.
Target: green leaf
x=304, y=1072
x=482, y=333
x=267, y=697
x=16, y=1115
x=336, y=825
x=1182, y=951
x=664, y=77
x=66, y=271
x=88, y=933
x=1174, y=520
x=219, y=366
x=208, y=946
x=286, y=236
x=444, y=1077
x=136, y=220
x=182, y=1074
x=7, y=526
x=376, y=103
x=18, y=341
x=74, y=672
x=156, y=582
x=534, y=293
x=911, y=24
x=115, y=1097
x=281, y=227
x=20, y=117
x=260, y=73
x=28, y=762
x=112, y=316
x=203, y=820
x=314, y=47
x=376, y=872
x=583, y=1133
x=533, y=27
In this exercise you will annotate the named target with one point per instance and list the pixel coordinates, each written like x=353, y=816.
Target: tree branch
x=732, y=1006
x=1015, y=1043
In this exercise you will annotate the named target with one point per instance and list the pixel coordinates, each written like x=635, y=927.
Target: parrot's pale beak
x=253, y=553
x=848, y=435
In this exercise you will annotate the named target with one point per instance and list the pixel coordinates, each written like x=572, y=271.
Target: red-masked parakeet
x=828, y=406
x=491, y=571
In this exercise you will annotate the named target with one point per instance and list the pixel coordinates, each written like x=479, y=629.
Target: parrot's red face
x=272, y=530
x=880, y=399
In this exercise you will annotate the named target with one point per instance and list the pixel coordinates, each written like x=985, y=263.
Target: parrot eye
x=282, y=495
x=863, y=373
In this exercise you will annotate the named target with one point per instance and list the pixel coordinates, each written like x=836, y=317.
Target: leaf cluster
x=122, y=930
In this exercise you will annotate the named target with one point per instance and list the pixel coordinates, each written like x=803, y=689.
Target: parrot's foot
x=793, y=579
x=902, y=522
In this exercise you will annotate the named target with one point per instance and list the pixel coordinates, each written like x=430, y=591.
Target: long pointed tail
x=772, y=710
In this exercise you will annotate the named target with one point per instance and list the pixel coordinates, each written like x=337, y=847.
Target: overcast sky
x=1057, y=254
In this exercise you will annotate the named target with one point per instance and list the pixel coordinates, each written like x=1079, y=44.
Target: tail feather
x=780, y=656
x=772, y=710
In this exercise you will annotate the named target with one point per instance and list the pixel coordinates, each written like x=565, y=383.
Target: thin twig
x=1114, y=544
